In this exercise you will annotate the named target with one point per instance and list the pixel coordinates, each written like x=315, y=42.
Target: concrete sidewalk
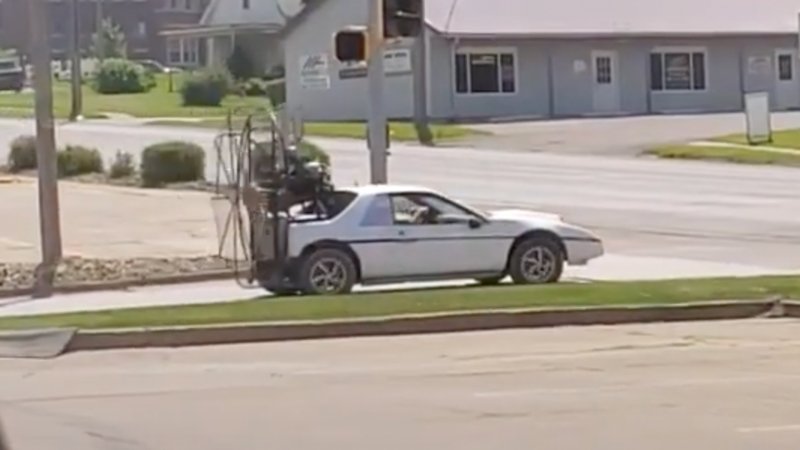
x=108, y=222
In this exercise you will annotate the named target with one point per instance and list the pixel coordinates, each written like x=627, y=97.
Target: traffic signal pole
x=377, y=139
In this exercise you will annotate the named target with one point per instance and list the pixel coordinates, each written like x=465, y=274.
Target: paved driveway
x=620, y=135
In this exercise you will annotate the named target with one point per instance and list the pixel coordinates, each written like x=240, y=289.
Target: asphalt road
x=667, y=209
x=694, y=386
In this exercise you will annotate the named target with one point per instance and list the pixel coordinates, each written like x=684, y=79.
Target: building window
x=488, y=72
x=181, y=5
x=183, y=51
x=141, y=29
x=246, y=4
x=678, y=71
x=785, y=69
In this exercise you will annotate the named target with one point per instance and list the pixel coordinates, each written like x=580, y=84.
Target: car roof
x=378, y=189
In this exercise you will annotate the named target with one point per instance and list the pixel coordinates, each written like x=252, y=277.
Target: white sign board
x=314, y=72
x=759, y=127
x=397, y=61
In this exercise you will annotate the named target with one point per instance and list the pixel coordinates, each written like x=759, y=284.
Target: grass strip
x=727, y=154
x=426, y=301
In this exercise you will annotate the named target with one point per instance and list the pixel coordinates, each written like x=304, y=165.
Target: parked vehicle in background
x=156, y=67
x=12, y=74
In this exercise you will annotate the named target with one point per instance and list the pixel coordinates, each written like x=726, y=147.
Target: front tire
x=537, y=260
x=327, y=271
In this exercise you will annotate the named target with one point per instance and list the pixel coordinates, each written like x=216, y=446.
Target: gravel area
x=75, y=270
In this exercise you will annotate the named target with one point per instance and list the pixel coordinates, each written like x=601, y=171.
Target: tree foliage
x=109, y=41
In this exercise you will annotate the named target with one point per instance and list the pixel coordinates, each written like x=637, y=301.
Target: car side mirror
x=474, y=223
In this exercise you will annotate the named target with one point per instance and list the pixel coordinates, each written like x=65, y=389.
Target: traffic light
x=350, y=45
x=402, y=18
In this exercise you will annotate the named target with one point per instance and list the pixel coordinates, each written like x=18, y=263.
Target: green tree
x=109, y=41
x=240, y=65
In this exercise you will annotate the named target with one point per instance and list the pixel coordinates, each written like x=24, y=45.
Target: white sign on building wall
x=314, y=72
x=395, y=62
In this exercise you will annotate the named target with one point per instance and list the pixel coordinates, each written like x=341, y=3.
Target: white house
x=253, y=25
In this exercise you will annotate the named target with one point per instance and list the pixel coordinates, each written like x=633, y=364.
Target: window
x=426, y=209
x=485, y=72
x=141, y=28
x=379, y=213
x=183, y=51
x=603, y=69
x=678, y=71
x=246, y=4
x=785, y=69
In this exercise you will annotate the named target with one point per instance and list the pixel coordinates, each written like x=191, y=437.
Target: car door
x=436, y=249
x=379, y=245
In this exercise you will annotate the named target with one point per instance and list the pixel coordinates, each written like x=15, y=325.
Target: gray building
x=559, y=58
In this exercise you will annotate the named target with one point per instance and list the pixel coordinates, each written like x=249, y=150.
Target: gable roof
x=554, y=18
x=261, y=12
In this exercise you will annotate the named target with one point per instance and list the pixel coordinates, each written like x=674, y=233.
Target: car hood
x=523, y=215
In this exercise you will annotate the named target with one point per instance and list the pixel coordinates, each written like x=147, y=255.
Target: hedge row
x=162, y=163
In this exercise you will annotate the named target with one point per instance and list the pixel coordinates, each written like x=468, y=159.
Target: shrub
x=122, y=166
x=120, y=76
x=276, y=92
x=240, y=65
x=312, y=152
x=22, y=153
x=172, y=162
x=78, y=160
x=206, y=87
x=254, y=87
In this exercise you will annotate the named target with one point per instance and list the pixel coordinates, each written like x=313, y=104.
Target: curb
x=791, y=309
x=420, y=324
x=125, y=284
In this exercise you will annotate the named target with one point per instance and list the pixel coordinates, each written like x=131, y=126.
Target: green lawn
x=783, y=139
x=428, y=301
x=727, y=154
x=158, y=102
x=401, y=131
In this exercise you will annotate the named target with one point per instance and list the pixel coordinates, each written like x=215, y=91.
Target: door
x=605, y=81
x=787, y=89
x=441, y=246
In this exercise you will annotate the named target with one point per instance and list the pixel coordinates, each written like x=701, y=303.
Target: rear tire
x=327, y=271
x=537, y=260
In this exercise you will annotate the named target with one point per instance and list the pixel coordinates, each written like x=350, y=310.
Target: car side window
x=379, y=212
x=423, y=209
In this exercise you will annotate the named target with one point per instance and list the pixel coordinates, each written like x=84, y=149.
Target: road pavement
x=694, y=386
x=659, y=219
x=704, y=211
x=618, y=135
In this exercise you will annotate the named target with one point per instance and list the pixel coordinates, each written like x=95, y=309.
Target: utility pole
x=49, y=221
x=4, y=445
x=377, y=137
x=99, y=13
x=76, y=111
x=419, y=65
